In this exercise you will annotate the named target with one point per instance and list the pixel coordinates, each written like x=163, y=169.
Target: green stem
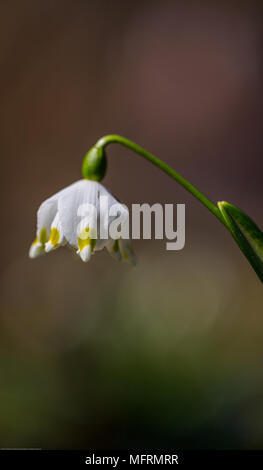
x=110, y=139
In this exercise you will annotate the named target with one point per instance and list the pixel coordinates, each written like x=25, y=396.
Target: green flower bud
x=94, y=164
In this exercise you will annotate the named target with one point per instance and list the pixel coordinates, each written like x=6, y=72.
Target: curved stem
x=109, y=139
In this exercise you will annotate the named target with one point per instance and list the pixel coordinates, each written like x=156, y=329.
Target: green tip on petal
x=94, y=164
x=246, y=233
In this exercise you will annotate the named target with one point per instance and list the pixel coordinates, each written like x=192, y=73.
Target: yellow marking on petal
x=39, y=246
x=43, y=236
x=84, y=234
x=54, y=236
x=85, y=239
x=82, y=243
x=88, y=241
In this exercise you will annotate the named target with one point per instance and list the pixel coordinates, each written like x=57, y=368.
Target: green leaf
x=246, y=233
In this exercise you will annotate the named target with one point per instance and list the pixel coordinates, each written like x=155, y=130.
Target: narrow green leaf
x=246, y=233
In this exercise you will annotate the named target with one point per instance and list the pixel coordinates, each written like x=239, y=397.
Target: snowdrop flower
x=80, y=215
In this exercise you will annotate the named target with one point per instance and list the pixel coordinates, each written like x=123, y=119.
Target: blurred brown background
x=169, y=354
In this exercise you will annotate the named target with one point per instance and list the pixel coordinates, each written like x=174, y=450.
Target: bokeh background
x=170, y=353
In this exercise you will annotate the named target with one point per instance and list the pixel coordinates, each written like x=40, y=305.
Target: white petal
x=45, y=215
x=49, y=247
x=71, y=208
x=47, y=211
x=106, y=201
x=85, y=253
x=36, y=249
x=56, y=237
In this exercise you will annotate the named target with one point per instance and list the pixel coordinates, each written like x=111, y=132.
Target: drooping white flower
x=80, y=215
